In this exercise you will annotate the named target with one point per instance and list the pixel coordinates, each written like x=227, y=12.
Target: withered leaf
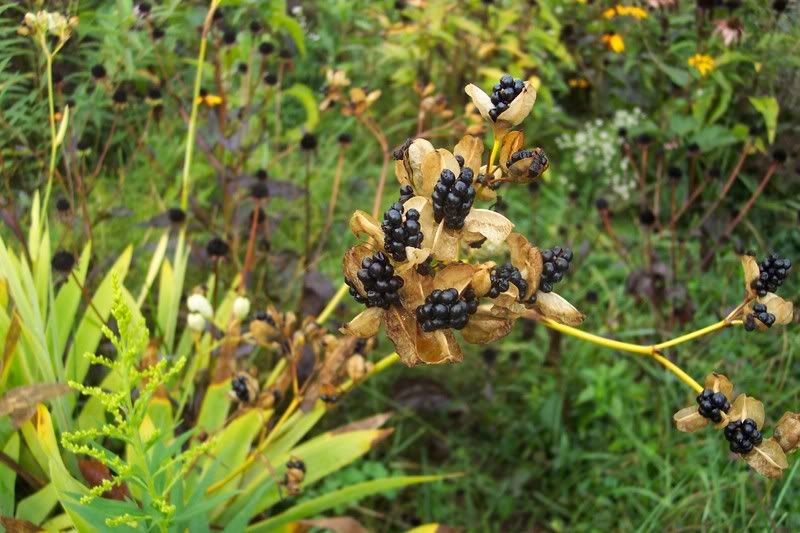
x=471, y=149
x=768, y=459
x=445, y=244
x=438, y=347
x=782, y=309
x=551, y=305
x=527, y=259
x=719, y=383
x=689, y=419
x=787, y=432
x=95, y=472
x=747, y=407
x=455, y=275
x=15, y=525
x=22, y=399
x=401, y=328
x=365, y=324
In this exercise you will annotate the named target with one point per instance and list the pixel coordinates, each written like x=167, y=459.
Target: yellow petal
x=551, y=305
x=768, y=459
x=689, y=420
x=363, y=224
x=366, y=324
x=480, y=100
x=747, y=407
x=471, y=149
x=483, y=327
x=719, y=383
x=520, y=107
x=484, y=223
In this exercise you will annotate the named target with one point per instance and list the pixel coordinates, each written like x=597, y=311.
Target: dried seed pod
x=244, y=388
x=358, y=367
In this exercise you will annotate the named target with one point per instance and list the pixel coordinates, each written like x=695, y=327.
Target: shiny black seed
x=379, y=282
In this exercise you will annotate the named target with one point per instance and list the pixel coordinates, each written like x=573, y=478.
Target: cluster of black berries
x=406, y=193
x=759, y=312
x=556, y=263
x=397, y=234
x=263, y=316
x=712, y=405
x=444, y=309
x=504, y=93
x=453, y=197
x=538, y=165
x=239, y=387
x=501, y=277
x=380, y=283
x=772, y=273
x=743, y=435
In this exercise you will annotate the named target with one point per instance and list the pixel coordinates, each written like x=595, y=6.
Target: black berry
x=381, y=285
x=157, y=33
x=255, y=26
x=120, y=96
x=176, y=215
x=743, y=436
x=556, y=263
x=261, y=174
x=712, y=404
x=538, y=164
x=229, y=37
x=63, y=262
x=406, y=193
x=266, y=48
x=674, y=173
x=647, y=217
x=503, y=94
x=772, y=273
x=308, y=141
x=239, y=387
x=98, y=72
x=504, y=275
x=217, y=248
x=270, y=78
x=453, y=197
x=446, y=309
x=397, y=233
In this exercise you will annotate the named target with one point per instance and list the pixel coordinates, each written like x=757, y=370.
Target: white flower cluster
x=596, y=150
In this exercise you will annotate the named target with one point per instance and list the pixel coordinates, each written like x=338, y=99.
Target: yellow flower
x=704, y=64
x=614, y=42
x=211, y=100
x=622, y=11
x=578, y=83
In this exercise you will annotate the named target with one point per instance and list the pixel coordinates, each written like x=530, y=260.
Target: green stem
x=53, y=146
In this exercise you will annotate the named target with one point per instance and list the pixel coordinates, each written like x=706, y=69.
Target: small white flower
x=197, y=303
x=241, y=307
x=196, y=322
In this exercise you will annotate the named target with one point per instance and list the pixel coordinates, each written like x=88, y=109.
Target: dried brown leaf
x=27, y=396
x=95, y=472
x=768, y=459
x=471, y=149
x=551, y=305
x=438, y=347
x=782, y=309
x=527, y=259
x=454, y=275
x=689, y=420
x=401, y=328
x=787, y=432
x=747, y=407
x=15, y=525
x=719, y=383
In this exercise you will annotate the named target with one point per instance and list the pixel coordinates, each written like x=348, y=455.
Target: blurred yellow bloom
x=623, y=11
x=704, y=64
x=614, y=42
x=211, y=100
x=578, y=83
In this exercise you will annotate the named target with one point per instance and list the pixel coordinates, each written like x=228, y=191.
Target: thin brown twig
x=331, y=205
x=728, y=184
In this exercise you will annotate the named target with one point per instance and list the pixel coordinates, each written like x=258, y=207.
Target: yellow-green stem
x=53, y=147
x=323, y=316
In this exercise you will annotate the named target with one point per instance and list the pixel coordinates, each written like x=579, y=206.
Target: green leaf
x=152, y=271
x=281, y=20
x=8, y=477
x=306, y=97
x=38, y=505
x=215, y=406
x=769, y=108
x=339, y=497
x=64, y=311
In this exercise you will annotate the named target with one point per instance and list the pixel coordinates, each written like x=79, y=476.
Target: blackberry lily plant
x=409, y=275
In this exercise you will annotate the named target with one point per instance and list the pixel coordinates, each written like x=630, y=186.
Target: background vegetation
x=548, y=432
